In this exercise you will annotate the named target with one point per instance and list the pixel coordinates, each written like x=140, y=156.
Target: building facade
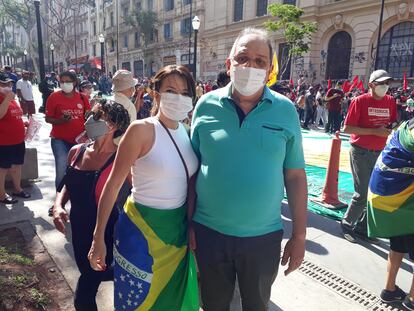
x=345, y=44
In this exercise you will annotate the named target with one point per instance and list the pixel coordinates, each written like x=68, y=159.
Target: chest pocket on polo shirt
x=273, y=138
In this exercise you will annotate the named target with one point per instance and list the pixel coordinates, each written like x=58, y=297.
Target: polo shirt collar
x=226, y=93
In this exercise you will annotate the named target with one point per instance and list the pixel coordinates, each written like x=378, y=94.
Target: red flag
x=361, y=86
x=291, y=82
x=405, y=82
x=329, y=83
x=354, y=83
x=346, y=86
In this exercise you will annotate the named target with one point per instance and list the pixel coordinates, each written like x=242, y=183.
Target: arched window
x=396, y=50
x=339, y=56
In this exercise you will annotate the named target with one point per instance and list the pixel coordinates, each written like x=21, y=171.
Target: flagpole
x=379, y=32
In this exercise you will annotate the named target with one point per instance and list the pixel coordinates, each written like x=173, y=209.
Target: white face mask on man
x=175, y=106
x=66, y=87
x=247, y=80
x=381, y=90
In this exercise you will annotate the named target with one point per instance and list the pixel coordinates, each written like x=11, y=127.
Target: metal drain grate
x=345, y=288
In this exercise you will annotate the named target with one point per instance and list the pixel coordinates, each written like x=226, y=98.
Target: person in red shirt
x=334, y=97
x=12, y=146
x=65, y=110
x=369, y=121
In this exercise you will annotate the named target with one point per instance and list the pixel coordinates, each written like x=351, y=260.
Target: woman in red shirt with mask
x=65, y=110
x=12, y=147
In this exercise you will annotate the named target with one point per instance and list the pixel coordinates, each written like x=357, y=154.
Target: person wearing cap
x=124, y=88
x=86, y=88
x=334, y=97
x=8, y=70
x=368, y=121
x=25, y=94
x=12, y=146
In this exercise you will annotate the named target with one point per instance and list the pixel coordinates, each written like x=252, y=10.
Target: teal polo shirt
x=240, y=184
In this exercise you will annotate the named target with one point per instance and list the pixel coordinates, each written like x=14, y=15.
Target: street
x=336, y=275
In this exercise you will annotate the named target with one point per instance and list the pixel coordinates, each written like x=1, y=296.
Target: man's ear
x=228, y=64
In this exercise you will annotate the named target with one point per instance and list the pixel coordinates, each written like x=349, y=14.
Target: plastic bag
x=32, y=129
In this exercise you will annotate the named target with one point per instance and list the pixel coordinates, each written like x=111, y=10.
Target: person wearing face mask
x=12, y=146
x=123, y=85
x=249, y=143
x=86, y=89
x=151, y=250
x=368, y=121
x=65, y=110
x=88, y=168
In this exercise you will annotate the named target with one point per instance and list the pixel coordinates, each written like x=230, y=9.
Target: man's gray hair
x=260, y=32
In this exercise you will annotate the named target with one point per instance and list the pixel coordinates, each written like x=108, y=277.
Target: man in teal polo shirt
x=249, y=143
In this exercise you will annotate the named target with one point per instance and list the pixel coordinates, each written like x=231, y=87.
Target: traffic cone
x=329, y=197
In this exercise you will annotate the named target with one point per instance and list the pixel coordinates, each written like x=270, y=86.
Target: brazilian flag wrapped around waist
x=390, y=209
x=154, y=269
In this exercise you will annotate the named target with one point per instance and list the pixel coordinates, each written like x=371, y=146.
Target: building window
x=137, y=39
x=104, y=24
x=167, y=31
x=261, y=7
x=185, y=2
x=126, y=66
x=138, y=68
x=396, y=50
x=339, y=56
x=238, y=10
x=94, y=49
x=185, y=26
x=111, y=19
x=150, y=5
x=94, y=28
x=169, y=5
x=292, y=2
x=125, y=41
x=112, y=45
x=125, y=10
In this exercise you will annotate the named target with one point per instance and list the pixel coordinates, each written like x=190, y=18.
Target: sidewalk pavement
x=327, y=253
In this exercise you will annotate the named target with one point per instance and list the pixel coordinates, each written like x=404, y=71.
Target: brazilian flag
x=391, y=189
x=154, y=268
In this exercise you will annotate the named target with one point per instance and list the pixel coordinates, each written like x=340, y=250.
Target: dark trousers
x=308, y=117
x=362, y=164
x=220, y=258
x=334, y=122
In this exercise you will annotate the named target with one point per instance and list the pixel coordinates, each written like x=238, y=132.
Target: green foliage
x=39, y=299
x=297, y=33
x=13, y=256
x=146, y=21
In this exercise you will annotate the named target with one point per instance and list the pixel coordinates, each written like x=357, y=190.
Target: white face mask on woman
x=66, y=87
x=5, y=89
x=247, y=80
x=381, y=90
x=175, y=106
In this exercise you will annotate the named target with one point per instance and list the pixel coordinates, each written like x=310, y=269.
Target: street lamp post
x=102, y=41
x=8, y=59
x=39, y=41
x=25, y=59
x=52, y=49
x=196, y=26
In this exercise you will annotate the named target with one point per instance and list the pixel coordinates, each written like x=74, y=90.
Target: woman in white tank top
x=154, y=269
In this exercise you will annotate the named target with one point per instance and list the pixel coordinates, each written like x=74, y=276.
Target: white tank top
x=159, y=178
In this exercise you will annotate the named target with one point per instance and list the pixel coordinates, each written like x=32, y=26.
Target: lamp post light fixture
x=52, y=49
x=102, y=41
x=39, y=41
x=25, y=59
x=8, y=58
x=196, y=27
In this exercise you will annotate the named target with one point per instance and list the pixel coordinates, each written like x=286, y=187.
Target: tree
x=296, y=32
x=146, y=21
x=22, y=13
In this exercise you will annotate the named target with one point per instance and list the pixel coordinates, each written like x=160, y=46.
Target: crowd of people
x=162, y=174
